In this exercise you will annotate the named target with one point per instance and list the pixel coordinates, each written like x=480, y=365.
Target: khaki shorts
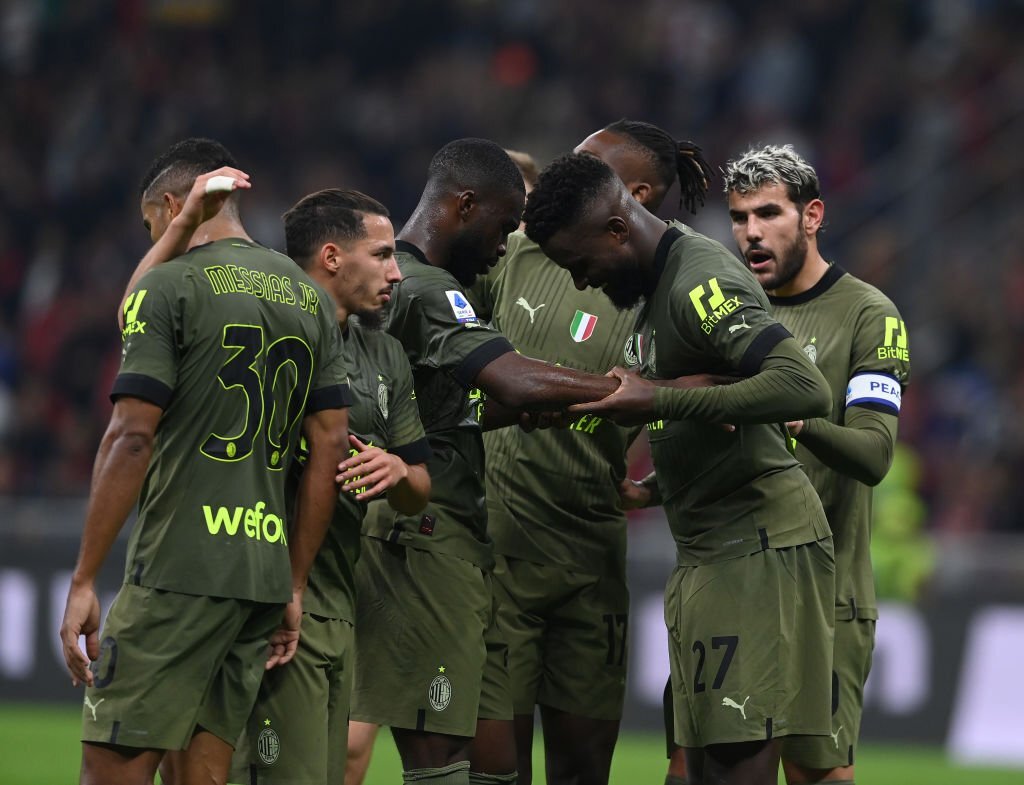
x=495, y=687
x=421, y=617
x=297, y=733
x=854, y=645
x=567, y=636
x=171, y=663
x=750, y=646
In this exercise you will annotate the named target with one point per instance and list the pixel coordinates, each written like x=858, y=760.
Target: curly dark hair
x=564, y=189
x=671, y=159
x=479, y=164
x=176, y=169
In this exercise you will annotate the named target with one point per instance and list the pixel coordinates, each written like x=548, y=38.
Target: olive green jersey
x=856, y=337
x=383, y=414
x=235, y=344
x=726, y=494
x=447, y=347
x=552, y=495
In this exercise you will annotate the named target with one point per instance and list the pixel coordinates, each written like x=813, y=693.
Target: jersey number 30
x=275, y=385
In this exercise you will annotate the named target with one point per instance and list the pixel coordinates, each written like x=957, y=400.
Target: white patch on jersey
x=874, y=388
x=460, y=306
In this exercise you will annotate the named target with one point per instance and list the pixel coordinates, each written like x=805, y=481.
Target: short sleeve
x=440, y=328
x=330, y=388
x=880, y=357
x=721, y=301
x=151, y=337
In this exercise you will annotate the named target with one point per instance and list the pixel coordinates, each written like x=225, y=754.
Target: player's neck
x=813, y=271
x=218, y=228
x=647, y=234
x=427, y=236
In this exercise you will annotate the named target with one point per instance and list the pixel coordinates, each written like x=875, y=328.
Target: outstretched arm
x=519, y=382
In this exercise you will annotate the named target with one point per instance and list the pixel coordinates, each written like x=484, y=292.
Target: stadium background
x=912, y=111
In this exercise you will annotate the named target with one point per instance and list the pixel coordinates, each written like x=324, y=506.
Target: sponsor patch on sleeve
x=460, y=307
x=877, y=388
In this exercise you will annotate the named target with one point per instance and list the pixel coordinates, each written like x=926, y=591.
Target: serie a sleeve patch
x=460, y=307
x=874, y=388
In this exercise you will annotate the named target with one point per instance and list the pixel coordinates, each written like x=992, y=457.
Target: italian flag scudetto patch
x=582, y=326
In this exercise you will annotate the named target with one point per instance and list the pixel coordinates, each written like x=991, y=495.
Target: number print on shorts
x=107, y=661
x=730, y=642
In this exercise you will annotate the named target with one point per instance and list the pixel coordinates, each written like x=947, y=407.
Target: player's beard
x=625, y=287
x=372, y=319
x=468, y=259
x=788, y=264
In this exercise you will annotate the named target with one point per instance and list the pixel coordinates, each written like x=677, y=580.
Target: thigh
x=586, y=647
x=854, y=645
x=420, y=621
x=159, y=653
x=754, y=646
x=287, y=738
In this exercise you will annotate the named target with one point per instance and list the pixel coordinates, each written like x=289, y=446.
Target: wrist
x=82, y=579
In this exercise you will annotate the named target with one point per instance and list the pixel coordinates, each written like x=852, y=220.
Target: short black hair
x=330, y=215
x=564, y=189
x=175, y=170
x=474, y=164
x=671, y=159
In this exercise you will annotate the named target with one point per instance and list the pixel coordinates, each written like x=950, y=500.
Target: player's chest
x=546, y=317
x=824, y=336
x=373, y=393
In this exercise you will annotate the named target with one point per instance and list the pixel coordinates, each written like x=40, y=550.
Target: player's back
x=234, y=339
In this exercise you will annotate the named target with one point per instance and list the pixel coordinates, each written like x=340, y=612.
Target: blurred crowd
x=912, y=112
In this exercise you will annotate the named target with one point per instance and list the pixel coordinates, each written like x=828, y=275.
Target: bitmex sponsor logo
x=253, y=523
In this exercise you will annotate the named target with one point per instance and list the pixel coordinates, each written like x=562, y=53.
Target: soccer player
x=297, y=731
x=749, y=605
x=552, y=495
x=423, y=582
x=228, y=350
x=857, y=338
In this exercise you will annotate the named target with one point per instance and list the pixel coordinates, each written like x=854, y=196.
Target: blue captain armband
x=874, y=390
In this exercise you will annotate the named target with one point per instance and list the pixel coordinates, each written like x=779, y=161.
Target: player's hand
x=371, y=469
x=795, y=427
x=285, y=639
x=633, y=494
x=632, y=403
x=208, y=195
x=81, y=617
x=533, y=421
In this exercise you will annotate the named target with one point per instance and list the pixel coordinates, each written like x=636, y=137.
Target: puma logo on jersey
x=734, y=705
x=742, y=326
x=522, y=301
x=835, y=736
x=92, y=707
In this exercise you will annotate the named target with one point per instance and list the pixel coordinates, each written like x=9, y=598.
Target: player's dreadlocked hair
x=477, y=164
x=671, y=159
x=176, y=170
x=331, y=215
x=773, y=164
x=564, y=189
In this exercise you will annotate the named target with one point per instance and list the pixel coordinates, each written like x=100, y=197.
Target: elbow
x=413, y=497
x=874, y=474
x=135, y=441
x=821, y=401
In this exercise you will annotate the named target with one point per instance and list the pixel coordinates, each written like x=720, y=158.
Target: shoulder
x=868, y=296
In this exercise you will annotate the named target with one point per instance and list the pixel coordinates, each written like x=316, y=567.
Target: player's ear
x=330, y=257
x=641, y=191
x=618, y=228
x=466, y=202
x=172, y=204
x=814, y=215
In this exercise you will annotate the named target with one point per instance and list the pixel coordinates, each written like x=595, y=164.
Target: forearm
x=862, y=449
x=787, y=387
x=315, y=500
x=410, y=496
x=120, y=469
x=493, y=415
x=519, y=382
